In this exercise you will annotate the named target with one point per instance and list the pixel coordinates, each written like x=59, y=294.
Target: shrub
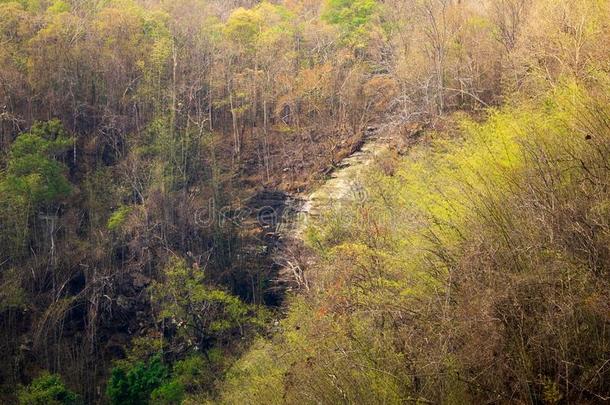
x=133, y=385
x=47, y=389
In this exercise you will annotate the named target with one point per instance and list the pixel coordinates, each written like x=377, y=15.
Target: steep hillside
x=321, y=201
x=475, y=270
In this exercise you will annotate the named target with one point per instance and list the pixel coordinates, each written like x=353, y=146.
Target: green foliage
x=47, y=389
x=193, y=375
x=33, y=171
x=244, y=26
x=169, y=393
x=59, y=6
x=29, y=5
x=258, y=376
x=351, y=16
x=133, y=384
x=201, y=313
x=118, y=218
x=34, y=180
x=259, y=27
x=143, y=347
x=134, y=381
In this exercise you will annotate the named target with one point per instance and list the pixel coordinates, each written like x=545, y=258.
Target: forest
x=160, y=242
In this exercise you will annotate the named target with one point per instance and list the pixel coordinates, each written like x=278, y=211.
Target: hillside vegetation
x=141, y=140
x=477, y=270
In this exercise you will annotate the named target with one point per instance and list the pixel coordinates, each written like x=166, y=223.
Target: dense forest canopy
x=141, y=142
